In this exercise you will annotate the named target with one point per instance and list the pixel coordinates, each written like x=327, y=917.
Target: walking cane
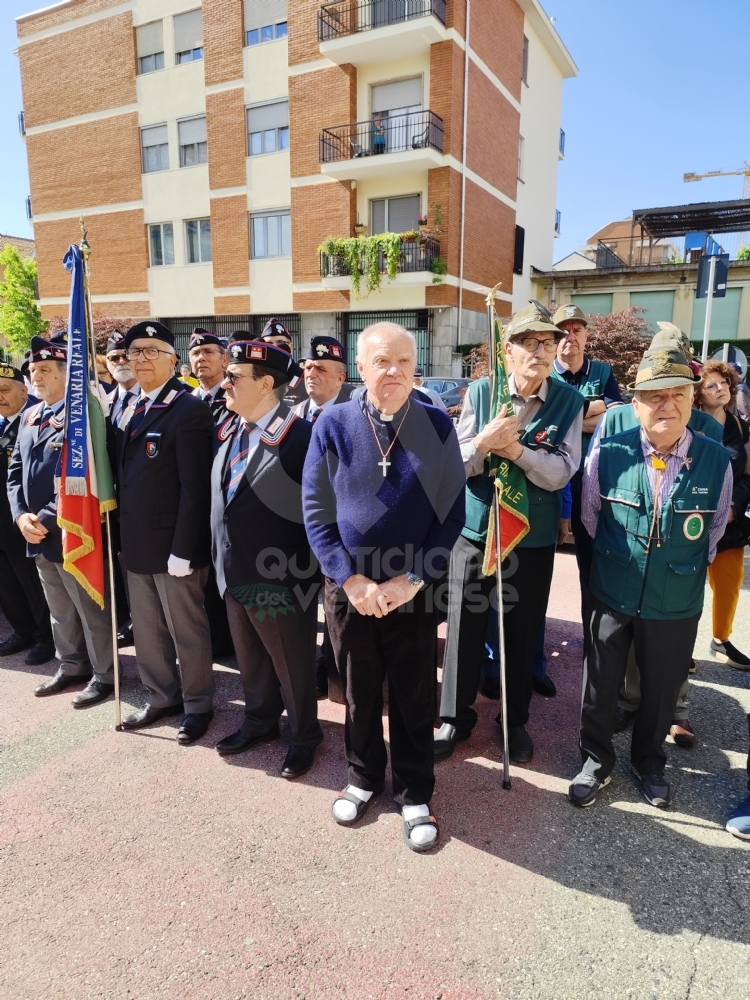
x=85, y=252
x=492, y=358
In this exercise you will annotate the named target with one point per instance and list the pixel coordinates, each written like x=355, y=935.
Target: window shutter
x=188, y=31
x=518, y=250
x=191, y=130
x=149, y=39
x=268, y=116
x=154, y=136
x=259, y=13
x=394, y=96
x=378, y=216
x=402, y=214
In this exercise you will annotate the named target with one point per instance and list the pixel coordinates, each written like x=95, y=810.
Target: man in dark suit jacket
x=264, y=566
x=82, y=630
x=21, y=596
x=163, y=447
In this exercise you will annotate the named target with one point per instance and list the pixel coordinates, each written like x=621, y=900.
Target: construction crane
x=744, y=172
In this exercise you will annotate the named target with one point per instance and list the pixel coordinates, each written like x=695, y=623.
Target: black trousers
x=663, y=650
x=22, y=598
x=401, y=646
x=472, y=597
x=584, y=545
x=276, y=659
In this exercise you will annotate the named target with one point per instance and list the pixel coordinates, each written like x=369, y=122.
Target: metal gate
x=418, y=321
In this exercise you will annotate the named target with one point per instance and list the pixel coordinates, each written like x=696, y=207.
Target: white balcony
x=361, y=31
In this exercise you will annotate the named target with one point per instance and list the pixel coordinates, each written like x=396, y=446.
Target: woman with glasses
x=715, y=396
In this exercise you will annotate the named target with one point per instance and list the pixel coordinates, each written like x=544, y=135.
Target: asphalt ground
x=132, y=868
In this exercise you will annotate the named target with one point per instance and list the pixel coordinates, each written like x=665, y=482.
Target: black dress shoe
x=59, y=682
x=14, y=644
x=148, y=714
x=245, y=737
x=194, y=726
x=42, y=652
x=297, y=761
x=94, y=692
x=520, y=745
x=446, y=739
x=490, y=687
x=544, y=686
x=125, y=635
x=623, y=718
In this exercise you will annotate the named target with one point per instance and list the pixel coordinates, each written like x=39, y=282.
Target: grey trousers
x=629, y=697
x=276, y=658
x=81, y=629
x=170, y=625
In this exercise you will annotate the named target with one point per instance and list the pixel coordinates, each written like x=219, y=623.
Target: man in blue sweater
x=383, y=501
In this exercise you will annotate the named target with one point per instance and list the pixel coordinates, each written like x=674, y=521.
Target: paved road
x=134, y=869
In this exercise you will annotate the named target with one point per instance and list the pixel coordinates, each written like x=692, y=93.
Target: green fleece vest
x=666, y=578
x=546, y=430
x=591, y=387
x=623, y=418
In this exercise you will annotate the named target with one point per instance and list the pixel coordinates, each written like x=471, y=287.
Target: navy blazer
x=11, y=539
x=260, y=532
x=217, y=407
x=31, y=478
x=163, y=478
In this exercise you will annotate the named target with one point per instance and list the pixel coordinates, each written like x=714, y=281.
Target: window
x=267, y=128
x=519, y=172
x=149, y=39
x=271, y=235
x=518, y=250
x=192, y=139
x=154, y=148
x=525, y=61
x=188, y=36
x=265, y=20
x=198, y=241
x=161, y=244
x=394, y=215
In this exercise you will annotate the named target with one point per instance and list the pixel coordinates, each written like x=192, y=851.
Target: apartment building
x=213, y=148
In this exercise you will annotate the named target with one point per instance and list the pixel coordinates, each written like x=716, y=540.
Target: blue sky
x=662, y=89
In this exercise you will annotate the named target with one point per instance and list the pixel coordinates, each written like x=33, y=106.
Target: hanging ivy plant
x=364, y=255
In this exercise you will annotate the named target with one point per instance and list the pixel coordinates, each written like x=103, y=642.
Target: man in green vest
x=543, y=438
x=597, y=384
x=656, y=499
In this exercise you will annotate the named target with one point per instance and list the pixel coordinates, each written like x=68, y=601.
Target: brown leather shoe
x=682, y=733
x=623, y=718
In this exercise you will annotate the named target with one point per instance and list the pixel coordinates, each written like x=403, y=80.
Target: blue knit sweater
x=359, y=521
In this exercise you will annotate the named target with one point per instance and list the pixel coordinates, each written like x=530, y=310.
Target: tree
x=744, y=253
x=104, y=327
x=20, y=317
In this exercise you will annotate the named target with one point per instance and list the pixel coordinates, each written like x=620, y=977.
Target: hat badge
x=117, y=336
x=661, y=364
x=45, y=354
x=571, y=311
x=236, y=351
x=151, y=331
x=321, y=349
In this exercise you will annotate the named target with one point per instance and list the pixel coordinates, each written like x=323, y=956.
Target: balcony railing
x=29, y=213
x=347, y=17
x=21, y=123
x=561, y=147
x=416, y=255
x=558, y=221
x=388, y=134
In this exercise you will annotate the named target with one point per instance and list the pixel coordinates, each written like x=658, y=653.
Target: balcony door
x=397, y=115
x=384, y=12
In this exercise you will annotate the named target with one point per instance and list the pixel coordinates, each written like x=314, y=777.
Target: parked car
x=451, y=390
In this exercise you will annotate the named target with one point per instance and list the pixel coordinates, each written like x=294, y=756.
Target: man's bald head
x=386, y=358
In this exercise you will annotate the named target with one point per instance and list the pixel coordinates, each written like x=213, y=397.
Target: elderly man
x=21, y=595
x=125, y=382
x=325, y=378
x=164, y=448
x=383, y=502
x=656, y=499
x=543, y=438
x=265, y=570
x=81, y=630
x=208, y=360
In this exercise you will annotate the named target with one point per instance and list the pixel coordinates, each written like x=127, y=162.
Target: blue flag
x=75, y=450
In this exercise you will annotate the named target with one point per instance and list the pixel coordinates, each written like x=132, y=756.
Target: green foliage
x=20, y=317
x=363, y=256
x=744, y=253
x=439, y=267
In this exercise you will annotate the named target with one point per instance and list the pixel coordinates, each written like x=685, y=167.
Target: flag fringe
x=69, y=558
x=75, y=486
x=107, y=505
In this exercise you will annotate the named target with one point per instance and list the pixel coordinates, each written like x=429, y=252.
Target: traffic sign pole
x=709, y=304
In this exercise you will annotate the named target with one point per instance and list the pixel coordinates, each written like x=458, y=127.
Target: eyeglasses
x=235, y=376
x=531, y=345
x=118, y=357
x=149, y=353
x=713, y=386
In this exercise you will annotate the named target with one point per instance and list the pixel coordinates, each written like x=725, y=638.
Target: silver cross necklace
x=384, y=463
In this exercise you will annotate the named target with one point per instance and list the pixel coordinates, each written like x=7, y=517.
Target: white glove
x=178, y=567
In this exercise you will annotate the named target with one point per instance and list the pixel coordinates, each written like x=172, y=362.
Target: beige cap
x=533, y=318
x=671, y=334
x=664, y=368
x=570, y=312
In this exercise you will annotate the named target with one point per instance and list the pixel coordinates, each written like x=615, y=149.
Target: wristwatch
x=415, y=581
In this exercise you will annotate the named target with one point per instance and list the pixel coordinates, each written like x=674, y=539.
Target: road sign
x=721, y=270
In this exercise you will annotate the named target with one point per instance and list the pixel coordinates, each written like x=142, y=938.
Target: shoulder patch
x=278, y=429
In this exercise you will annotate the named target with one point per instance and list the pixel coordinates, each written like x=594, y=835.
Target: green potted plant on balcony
x=362, y=257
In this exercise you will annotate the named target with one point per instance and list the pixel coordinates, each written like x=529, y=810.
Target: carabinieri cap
x=255, y=352
x=149, y=329
x=8, y=371
x=325, y=349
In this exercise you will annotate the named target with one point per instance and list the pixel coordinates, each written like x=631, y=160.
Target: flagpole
x=492, y=360
x=85, y=253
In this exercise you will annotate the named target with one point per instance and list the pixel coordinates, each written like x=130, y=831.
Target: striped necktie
x=138, y=415
x=124, y=403
x=237, y=460
x=46, y=417
x=312, y=417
